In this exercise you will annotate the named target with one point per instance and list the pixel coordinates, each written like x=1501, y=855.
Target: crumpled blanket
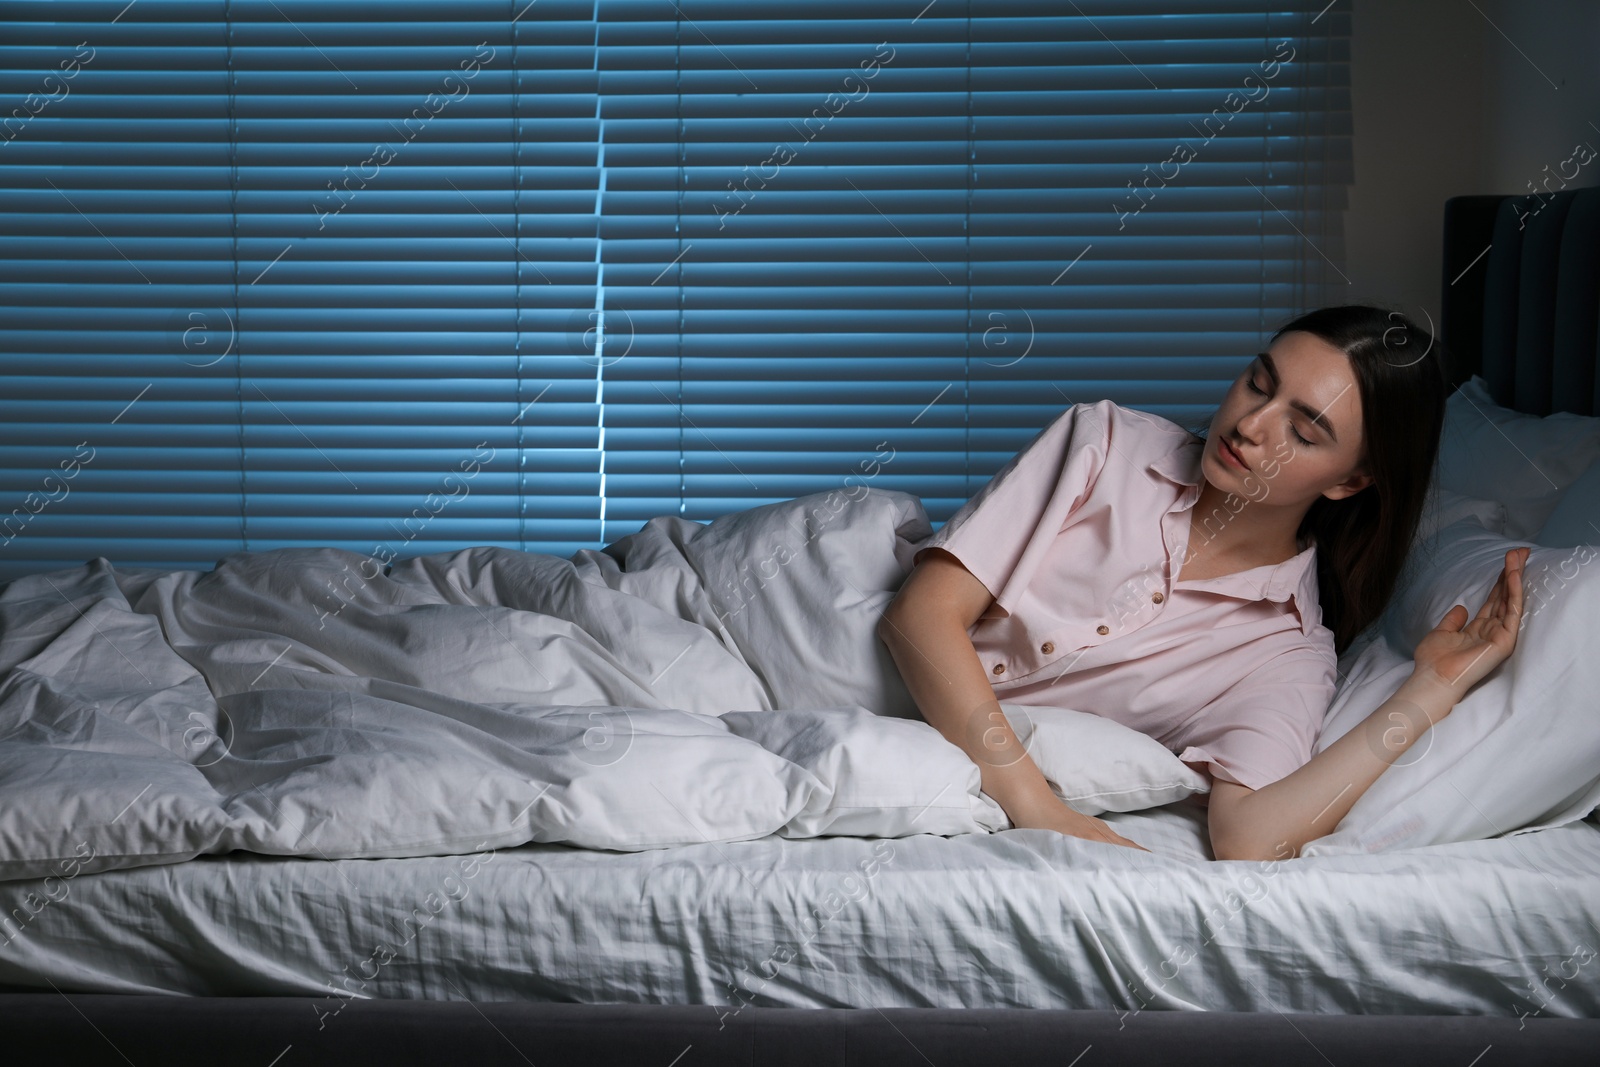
x=687, y=683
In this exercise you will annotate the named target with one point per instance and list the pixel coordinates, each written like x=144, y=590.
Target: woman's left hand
x=1459, y=655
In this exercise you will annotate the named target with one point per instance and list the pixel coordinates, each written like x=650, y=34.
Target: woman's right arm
x=925, y=629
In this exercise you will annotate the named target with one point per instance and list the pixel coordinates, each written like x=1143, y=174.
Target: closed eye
x=1251, y=383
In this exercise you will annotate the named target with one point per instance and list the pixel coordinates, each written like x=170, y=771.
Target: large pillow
x=1524, y=461
x=1521, y=751
x=1441, y=507
x=1576, y=519
x=1097, y=764
x=889, y=777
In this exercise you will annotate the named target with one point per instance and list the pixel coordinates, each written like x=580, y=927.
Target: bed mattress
x=1020, y=918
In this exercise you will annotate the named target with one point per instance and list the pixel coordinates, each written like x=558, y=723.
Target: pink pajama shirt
x=1080, y=537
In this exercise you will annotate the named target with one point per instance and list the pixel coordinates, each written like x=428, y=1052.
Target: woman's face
x=1294, y=417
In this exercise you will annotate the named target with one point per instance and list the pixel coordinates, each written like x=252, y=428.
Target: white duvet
x=689, y=683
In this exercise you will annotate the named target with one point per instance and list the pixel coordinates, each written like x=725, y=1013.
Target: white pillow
x=1521, y=751
x=1576, y=519
x=1444, y=506
x=1097, y=764
x=1523, y=461
x=883, y=776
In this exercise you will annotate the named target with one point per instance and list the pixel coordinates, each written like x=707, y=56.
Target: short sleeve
x=1004, y=531
x=1264, y=727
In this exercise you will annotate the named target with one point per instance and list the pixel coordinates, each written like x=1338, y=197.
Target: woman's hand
x=1459, y=655
x=1059, y=816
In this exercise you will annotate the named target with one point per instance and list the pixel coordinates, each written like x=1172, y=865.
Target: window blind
x=410, y=277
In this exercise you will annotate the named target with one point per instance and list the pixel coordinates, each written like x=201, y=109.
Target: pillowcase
x=1441, y=507
x=1576, y=519
x=1521, y=751
x=1097, y=764
x=1524, y=461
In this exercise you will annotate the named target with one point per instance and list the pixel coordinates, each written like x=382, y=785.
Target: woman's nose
x=1250, y=423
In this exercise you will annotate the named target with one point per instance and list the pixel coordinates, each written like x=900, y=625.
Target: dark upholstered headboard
x=1522, y=298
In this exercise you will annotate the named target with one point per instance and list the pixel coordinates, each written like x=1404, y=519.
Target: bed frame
x=1520, y=284
x=1521, y=288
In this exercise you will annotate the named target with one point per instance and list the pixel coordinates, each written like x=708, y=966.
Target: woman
x=1199, y=589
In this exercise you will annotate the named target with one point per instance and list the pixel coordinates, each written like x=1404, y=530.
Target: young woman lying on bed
x=1199, y=589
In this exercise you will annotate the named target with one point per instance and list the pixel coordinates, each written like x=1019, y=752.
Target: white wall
x=1445, y=104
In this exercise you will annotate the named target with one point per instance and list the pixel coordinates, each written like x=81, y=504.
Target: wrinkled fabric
x=310, y=702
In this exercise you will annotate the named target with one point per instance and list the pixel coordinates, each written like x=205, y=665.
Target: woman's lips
x=1231, y=456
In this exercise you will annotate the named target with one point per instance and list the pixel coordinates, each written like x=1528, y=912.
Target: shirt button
x=999, y=668
x=1157, y=597
x=1048, y=647
x=1102, y=629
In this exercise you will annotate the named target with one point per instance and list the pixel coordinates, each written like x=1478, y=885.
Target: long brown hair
x=1362, y=540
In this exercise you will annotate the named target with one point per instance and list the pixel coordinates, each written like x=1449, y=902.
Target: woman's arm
x=1273, y=822
x=925, y=629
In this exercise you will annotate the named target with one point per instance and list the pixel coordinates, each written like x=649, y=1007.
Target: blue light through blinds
x=408, y=277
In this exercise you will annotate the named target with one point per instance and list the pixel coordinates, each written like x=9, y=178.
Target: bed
x=489, y=917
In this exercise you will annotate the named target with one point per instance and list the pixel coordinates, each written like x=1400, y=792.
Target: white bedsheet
x=1020, y=918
